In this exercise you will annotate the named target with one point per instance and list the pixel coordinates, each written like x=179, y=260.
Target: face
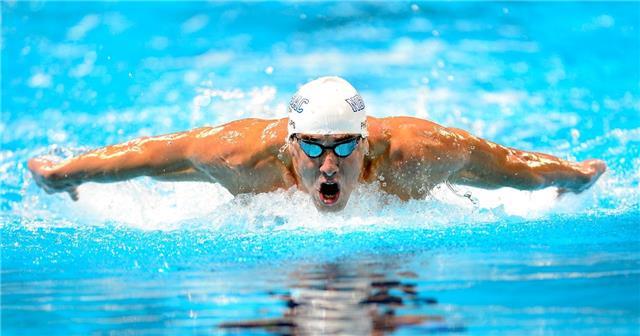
x=329, y=178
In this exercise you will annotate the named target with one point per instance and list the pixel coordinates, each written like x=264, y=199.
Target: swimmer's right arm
x=165, y=157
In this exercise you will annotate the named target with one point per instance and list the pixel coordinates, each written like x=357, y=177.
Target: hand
x=47, y=177
x=591, y=170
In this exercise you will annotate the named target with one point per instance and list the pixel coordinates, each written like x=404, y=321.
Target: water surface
x=149, y=257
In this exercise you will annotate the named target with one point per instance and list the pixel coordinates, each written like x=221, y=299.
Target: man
x=325, y=148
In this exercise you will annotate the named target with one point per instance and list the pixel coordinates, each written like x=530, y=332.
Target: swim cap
x=327, y=105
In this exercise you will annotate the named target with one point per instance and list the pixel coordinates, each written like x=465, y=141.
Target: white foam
x=149, y=205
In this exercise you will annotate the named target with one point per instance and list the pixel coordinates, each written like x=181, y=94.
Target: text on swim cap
x=296, y=103
x=356, y=103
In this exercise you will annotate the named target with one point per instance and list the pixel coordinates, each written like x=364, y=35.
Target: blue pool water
x=144, y=257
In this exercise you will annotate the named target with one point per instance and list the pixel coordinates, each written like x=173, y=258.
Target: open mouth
x=329, y=192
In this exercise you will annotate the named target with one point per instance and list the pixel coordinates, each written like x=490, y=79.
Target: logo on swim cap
x=356, y=102
x=296, y=103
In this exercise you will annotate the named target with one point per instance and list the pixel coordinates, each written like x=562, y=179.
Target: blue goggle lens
x=314, y=150
x=345, y=149
x=311, y=149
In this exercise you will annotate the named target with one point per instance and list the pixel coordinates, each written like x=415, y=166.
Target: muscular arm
x=490, y=165
x=164, y=157
x=241, y=156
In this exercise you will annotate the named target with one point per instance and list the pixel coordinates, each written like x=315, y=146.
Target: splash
x=149, y=205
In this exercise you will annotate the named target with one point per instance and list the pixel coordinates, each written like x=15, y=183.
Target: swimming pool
x=149, y=257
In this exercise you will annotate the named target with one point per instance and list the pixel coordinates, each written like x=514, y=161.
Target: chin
x=330, y=196
x=333, y=208
x=339, y=205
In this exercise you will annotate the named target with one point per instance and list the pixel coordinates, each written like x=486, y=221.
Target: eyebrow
x=337, y=139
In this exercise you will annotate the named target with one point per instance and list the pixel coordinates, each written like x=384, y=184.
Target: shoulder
x=240, y=139
x=250, y=127
x=408, y=139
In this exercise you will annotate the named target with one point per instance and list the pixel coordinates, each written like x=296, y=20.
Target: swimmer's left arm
x=489, y=165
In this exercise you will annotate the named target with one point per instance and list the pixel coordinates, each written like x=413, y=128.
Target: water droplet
x=575, y=134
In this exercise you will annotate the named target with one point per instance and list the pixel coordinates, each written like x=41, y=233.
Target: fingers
x=594, y=167
x=588, y=172
x=73, y=193
x=42, y=170
x=561, y=192
x=39, y=165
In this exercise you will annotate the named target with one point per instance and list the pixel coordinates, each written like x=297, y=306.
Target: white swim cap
x=327, y=105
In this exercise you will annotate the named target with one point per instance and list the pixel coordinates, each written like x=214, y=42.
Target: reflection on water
x=480, y=279
x=341, y=298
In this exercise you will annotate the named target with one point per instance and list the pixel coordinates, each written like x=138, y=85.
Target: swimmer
x=326, y=147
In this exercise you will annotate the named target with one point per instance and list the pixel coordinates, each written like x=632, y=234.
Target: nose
x=329, y=166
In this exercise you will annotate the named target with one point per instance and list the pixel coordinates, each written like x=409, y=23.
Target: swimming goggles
x=341, y=149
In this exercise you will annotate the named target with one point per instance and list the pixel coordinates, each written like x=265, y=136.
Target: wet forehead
x=329, y=138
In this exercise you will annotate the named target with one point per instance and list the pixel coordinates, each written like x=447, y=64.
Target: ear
x=365, y=146
x=290, y=147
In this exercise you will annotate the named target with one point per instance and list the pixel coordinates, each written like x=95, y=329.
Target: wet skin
x=406, y=156
x=321, y=177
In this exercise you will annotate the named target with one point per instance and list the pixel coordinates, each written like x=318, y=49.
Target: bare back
x=407, y=156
